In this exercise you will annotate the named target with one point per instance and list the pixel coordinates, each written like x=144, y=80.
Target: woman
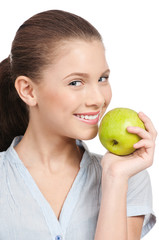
x=54, y=90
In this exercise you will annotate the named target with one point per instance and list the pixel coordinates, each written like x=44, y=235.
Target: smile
x=89, y=118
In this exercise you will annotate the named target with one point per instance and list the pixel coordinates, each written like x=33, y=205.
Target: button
x=58, y=237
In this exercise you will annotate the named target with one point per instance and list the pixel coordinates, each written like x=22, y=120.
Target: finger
x=143, y=143
x=142, y=133
x=148, y=124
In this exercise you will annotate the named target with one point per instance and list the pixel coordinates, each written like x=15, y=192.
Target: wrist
x=114, y=169
x=112, y=180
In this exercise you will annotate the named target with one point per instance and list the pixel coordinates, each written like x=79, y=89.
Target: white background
x=130, y=30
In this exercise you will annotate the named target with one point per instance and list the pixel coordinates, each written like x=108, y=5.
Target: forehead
x=82, y=54
x=75, y=56
x=81, y=47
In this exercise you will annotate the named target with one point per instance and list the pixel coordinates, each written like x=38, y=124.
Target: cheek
x=66, y=100
x=108, y=95
x=61, y=101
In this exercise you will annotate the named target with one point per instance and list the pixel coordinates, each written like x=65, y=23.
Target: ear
x=25, y=89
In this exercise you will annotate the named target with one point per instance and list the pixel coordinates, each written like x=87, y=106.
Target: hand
x=142, y=158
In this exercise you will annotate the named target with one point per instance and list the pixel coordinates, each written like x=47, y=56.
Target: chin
x=89, y=135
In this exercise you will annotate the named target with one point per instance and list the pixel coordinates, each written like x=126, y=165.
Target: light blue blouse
x=26, y=215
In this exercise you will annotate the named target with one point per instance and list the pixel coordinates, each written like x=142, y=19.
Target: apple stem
x=115, y=142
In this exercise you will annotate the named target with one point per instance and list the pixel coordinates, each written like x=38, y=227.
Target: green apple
x=113, y=133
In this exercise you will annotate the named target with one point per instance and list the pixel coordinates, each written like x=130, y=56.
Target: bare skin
x=116, y=172
x=78, y=83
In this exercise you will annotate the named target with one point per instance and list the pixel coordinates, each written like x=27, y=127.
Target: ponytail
x=13, y=111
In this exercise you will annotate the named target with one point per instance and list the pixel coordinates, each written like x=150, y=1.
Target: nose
x=95, y=97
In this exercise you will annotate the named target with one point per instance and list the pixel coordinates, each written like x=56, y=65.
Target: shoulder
x=139, y=200
x=139, y=182
x=139, y=194
x=2, y=167
x=2, y=156
x=139, y=188
x=96, y=158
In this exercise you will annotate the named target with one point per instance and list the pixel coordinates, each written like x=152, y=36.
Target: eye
x=103, y=79
x=75, y=83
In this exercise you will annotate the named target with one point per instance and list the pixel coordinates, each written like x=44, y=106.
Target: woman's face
x=75, y=92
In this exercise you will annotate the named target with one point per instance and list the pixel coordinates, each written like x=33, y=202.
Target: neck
x=37, y=149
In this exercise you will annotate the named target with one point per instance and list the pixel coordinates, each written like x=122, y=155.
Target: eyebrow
x=86, y=75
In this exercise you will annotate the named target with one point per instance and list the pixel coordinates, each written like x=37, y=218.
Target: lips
x=90, y=118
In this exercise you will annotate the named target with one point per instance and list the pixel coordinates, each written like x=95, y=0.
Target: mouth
x=89, y=118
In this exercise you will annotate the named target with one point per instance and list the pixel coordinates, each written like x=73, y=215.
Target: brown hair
x=36, y=44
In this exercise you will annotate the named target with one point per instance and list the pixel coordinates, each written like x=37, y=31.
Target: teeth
x=88, y=117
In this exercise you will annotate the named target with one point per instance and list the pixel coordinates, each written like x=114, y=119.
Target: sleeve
x=139, y=200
